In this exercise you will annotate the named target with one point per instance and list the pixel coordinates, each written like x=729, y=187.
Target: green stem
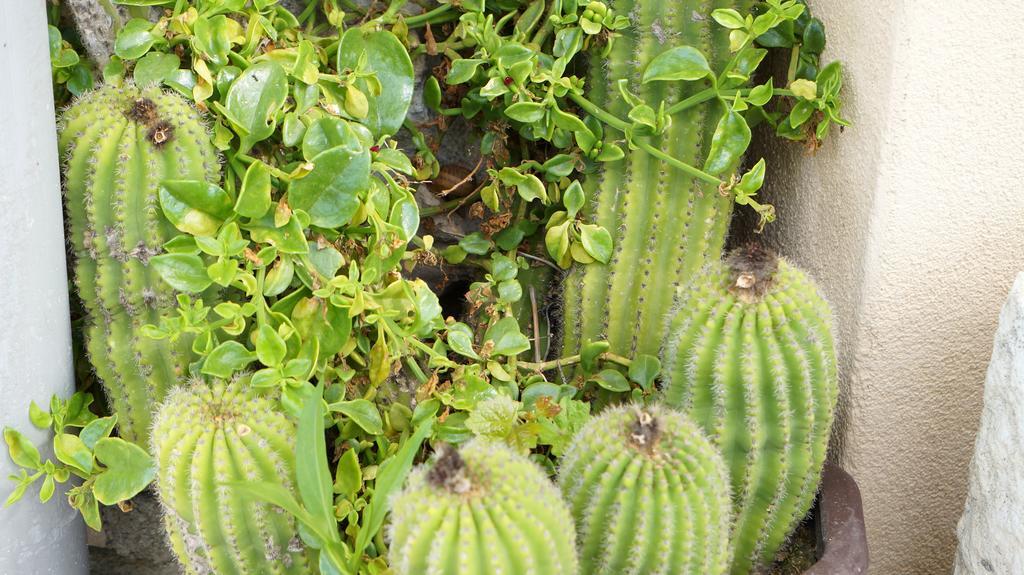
x=450, y=204
x=427, y=17
x=308, y=12
x=599, y=113
x=572, y=360
x=679, y=164
x=694, y=100
x=613, y=121
x=393, y=7
x=415, y=369
x=794, y=63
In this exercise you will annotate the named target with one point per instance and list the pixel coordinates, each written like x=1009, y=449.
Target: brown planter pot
x=839, y=517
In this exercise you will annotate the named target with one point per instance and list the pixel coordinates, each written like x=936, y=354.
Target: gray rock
x=132, y=543
x=991, y=530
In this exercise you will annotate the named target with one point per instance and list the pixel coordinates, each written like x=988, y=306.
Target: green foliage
x=111, y=470
x=206, y=436
x=751, y=358
x=119, y=144
x=482, y=509
x=69, y=71
x=297, y=267
x=649, y=494
x=687, y=123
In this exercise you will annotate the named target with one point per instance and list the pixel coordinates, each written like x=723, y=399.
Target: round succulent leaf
x=253, y=101
x=388, y=59
x=129, y=470
x=329, y=193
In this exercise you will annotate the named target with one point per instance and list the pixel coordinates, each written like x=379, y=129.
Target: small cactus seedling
x=204, y=438
x=119, y=143
x=481, y=510
x=751, y=358
x=649, y=494
x=665, y=223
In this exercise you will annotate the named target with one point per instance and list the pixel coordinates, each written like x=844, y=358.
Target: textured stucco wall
x=913, y=222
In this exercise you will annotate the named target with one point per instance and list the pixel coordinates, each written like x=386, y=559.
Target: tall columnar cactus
x=665, y=224
x=204, y=438
x=751, y=357
x=649, y=494
x=481, y=510
x=119, y=143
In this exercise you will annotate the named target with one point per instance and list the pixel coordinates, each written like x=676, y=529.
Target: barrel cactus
x=206, y=436
x=649, y=494
x=665, y=223
x=119, y=143
x=751, y=358
x=481, y=510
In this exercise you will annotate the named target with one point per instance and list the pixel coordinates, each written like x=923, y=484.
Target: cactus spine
x=664, y=223
x=649, y=494
x=119, y=143
x=752, y=359
x=481, y=510
x=205, y=436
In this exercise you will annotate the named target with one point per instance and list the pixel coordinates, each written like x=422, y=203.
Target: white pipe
x=35, y=331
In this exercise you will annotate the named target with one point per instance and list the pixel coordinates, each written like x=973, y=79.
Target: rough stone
x=991, y=530
x=133, y=542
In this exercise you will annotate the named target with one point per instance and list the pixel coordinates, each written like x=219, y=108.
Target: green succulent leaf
x=389, y=61
x=460, y=339
x=253, y=100
x=153, y=68
x=226, y=359
x=329, y=194
x=183, y=272
x=129, y=470
x=597, y=241
x=643, y=370
x=363, y=413
x=193, y=206
x=731, y=138
x=71, y=450
x=21, y=450
x=507, y=338
x=612, y=380
x=254, y=198
x=97, y=430
x=679, y=63
x=134, y=39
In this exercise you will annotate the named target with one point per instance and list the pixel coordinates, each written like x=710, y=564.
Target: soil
x=798, y=554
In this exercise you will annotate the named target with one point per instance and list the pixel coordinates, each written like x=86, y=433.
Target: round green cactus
x=649, y=494
x=204, y=438
x=119, y=143
x=481, y=510
x=751, y=358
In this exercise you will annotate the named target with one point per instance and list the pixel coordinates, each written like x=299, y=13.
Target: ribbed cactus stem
x=649, y=494
x=481, y=510
x=751, y=358
x=204, y=438
x=119, y=143
x=665, y=223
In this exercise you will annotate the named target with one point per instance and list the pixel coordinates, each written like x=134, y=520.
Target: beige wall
x=913, y=221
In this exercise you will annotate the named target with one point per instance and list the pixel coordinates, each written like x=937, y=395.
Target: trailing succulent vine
x=751, y=358
x=266, y=221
